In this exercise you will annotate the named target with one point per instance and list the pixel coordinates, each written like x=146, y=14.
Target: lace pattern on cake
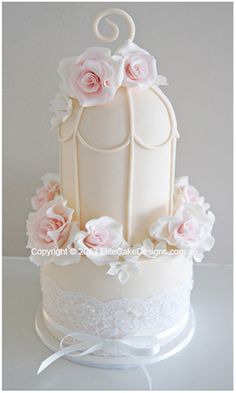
x=115, y=318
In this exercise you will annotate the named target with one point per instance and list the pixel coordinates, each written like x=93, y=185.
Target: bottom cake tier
x=82, y=298
x=93, y=319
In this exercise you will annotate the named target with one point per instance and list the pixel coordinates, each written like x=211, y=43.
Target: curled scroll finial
x=115, y=28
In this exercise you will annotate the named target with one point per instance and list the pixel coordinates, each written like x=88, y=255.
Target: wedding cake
x=115, y=235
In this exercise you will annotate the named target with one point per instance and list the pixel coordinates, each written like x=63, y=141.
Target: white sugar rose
x=92, y=77
x=189, y=229
x=184, y=192
x=101, y=234
x=61, y=106
x=140, y=68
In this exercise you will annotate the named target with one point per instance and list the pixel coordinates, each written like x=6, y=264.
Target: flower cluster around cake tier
x=53, y=235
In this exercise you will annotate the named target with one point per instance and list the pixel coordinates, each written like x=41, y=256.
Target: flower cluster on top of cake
x=94, y=77
x=53, y=235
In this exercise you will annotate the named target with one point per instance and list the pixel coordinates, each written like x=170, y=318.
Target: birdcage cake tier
x=124, y=154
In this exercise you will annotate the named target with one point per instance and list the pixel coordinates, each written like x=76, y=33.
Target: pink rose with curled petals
x=102, y=233
x=140, y=68
x=92, y=77
x=184, y=192
x=47, y=192
x=189, y=229
x=49, y=227
x=97, y=238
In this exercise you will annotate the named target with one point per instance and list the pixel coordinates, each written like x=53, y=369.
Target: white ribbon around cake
x=137, y=347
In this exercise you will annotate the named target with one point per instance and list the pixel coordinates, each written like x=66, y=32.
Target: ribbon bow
x=136, y=346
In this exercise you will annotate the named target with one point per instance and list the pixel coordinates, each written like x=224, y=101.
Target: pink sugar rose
x=189, y=229
x=184, y=192
x=92, y=77
x=140, y=68
x=101, y=234
x=49, y=227
x=47, y=192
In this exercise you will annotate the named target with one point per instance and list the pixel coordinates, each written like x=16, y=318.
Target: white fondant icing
x=158, y=274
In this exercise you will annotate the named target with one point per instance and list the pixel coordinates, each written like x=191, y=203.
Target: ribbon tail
x=67, y=351
x=49, y=361
x=148, y=376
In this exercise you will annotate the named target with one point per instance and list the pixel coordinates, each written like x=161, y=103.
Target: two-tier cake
x=115, y=235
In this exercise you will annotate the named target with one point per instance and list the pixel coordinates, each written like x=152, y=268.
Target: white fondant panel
x=163, y=273
x=106, y=126
x=103, y=184
x=151, y=119
x=151, y=189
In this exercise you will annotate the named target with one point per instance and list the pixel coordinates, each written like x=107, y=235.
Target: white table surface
x=205, y=364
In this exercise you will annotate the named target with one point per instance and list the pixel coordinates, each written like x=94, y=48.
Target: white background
x=193, y=46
